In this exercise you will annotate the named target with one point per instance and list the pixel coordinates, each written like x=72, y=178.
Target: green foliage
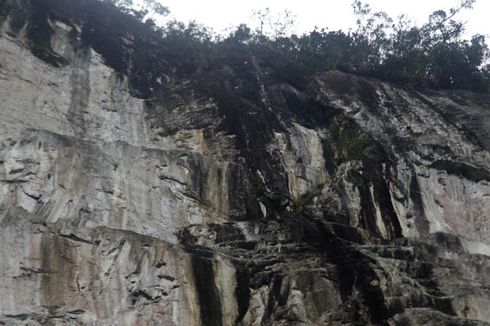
x=242, y=34
x=306, y=199
x=351, y=142
x=434, y=54
x=146, y=11
x=188, y=47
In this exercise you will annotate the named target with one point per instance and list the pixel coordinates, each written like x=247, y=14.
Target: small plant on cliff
x=350, y=141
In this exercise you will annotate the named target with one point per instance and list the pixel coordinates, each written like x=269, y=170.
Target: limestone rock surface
x=232, y=197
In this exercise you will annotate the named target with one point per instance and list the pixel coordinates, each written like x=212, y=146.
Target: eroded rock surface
x=140, y=197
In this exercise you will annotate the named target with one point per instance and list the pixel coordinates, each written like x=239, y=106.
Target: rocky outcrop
x=134, y=195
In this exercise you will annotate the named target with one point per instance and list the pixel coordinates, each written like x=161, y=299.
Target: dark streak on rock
x=461, y=169
x=209, y=300
x=74, y=237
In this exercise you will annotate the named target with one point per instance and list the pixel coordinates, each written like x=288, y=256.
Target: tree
x=434, y=54
x=441, y=27
x=242, y=34
x=147, y=10
x=274, y=25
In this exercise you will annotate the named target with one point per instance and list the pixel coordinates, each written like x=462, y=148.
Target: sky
x=222, y=15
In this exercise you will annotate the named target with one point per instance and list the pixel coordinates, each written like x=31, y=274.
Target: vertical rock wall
x=140, y=197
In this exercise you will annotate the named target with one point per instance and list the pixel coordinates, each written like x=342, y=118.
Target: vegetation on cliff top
x=434, y=55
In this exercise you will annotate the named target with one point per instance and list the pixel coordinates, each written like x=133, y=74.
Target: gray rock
x=349, y=201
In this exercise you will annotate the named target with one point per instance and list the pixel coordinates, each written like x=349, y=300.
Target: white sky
x=334, y=14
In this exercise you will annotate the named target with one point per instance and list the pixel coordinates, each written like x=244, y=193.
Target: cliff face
x=139, y=197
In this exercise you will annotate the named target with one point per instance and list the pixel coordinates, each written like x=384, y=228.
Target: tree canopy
x=435, y=54
x=145, y=10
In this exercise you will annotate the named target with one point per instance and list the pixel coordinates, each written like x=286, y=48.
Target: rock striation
x=131, y=194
